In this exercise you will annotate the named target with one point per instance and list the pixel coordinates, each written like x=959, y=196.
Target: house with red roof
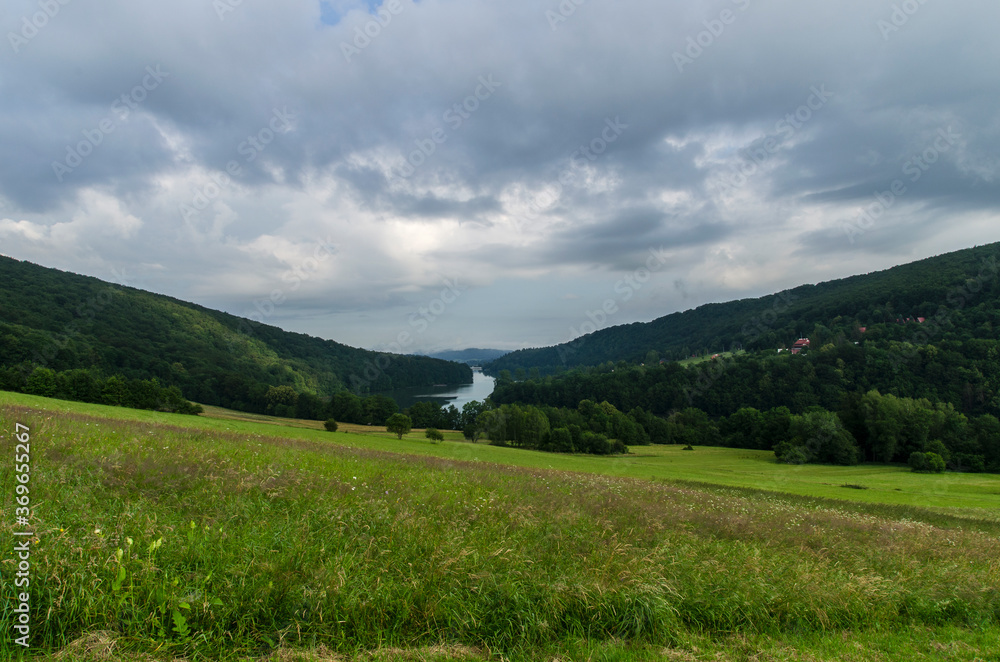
x=799, y=345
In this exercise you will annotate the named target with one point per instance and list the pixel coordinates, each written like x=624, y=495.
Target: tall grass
x=218, y=545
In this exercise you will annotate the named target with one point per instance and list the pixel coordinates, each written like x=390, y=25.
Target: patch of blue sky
x=332, y=11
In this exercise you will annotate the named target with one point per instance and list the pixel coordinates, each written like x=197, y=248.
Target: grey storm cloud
x=207, y=147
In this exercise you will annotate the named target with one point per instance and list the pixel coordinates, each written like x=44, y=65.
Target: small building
x=799, y=345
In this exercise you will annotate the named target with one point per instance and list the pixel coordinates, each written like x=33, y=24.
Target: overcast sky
x=488, y=173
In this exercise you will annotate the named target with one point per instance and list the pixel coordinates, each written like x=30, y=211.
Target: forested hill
x=928, y=288
x=63, y=321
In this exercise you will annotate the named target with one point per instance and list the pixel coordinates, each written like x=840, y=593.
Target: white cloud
x=487, y=204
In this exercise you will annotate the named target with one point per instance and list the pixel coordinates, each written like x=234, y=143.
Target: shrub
x=330, y=425
x=283, y=411
x=399, y=424
x=190, y=408
x=689, y=447
x=968, y=462
x=471, y=431
x=937, y=446
x=434, y=434
x=918, y=461
x=935, y=463
x=926, y=462
x=596, y=443
x=789, y=454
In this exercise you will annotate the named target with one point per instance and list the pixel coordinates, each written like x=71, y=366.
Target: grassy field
x=161, y=537
x=694, y=360
x=973, y=495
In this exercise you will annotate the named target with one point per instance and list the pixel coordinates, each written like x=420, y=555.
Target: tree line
x=879, y=401
x=598, y=429
x=83, y=385
x=965, y=374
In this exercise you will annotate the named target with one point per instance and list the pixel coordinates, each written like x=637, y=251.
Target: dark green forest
x=953, y=290
x=62, y=322
x=900, y=363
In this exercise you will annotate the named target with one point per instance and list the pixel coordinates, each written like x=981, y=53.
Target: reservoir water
x=454, y=394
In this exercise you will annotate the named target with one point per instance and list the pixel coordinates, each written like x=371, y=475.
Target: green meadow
x=695, y=360
x=226, y=536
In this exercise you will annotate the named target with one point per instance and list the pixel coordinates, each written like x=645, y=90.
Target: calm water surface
x=457, y=395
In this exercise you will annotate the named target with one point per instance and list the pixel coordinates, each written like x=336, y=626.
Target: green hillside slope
x=931, y=288
x=64, y=321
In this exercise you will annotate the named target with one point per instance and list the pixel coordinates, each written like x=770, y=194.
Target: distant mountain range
x=471, y=356
x=64, y=321
x=933, y=288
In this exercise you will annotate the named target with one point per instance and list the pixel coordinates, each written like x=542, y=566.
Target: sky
x=442, y=174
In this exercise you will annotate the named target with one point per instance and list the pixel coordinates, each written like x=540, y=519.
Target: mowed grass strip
x=217, y=544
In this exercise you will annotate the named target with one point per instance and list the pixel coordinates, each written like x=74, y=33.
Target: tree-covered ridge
x=953, y=290
x=879, y=400
x=898, y=382
x=62, y=321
